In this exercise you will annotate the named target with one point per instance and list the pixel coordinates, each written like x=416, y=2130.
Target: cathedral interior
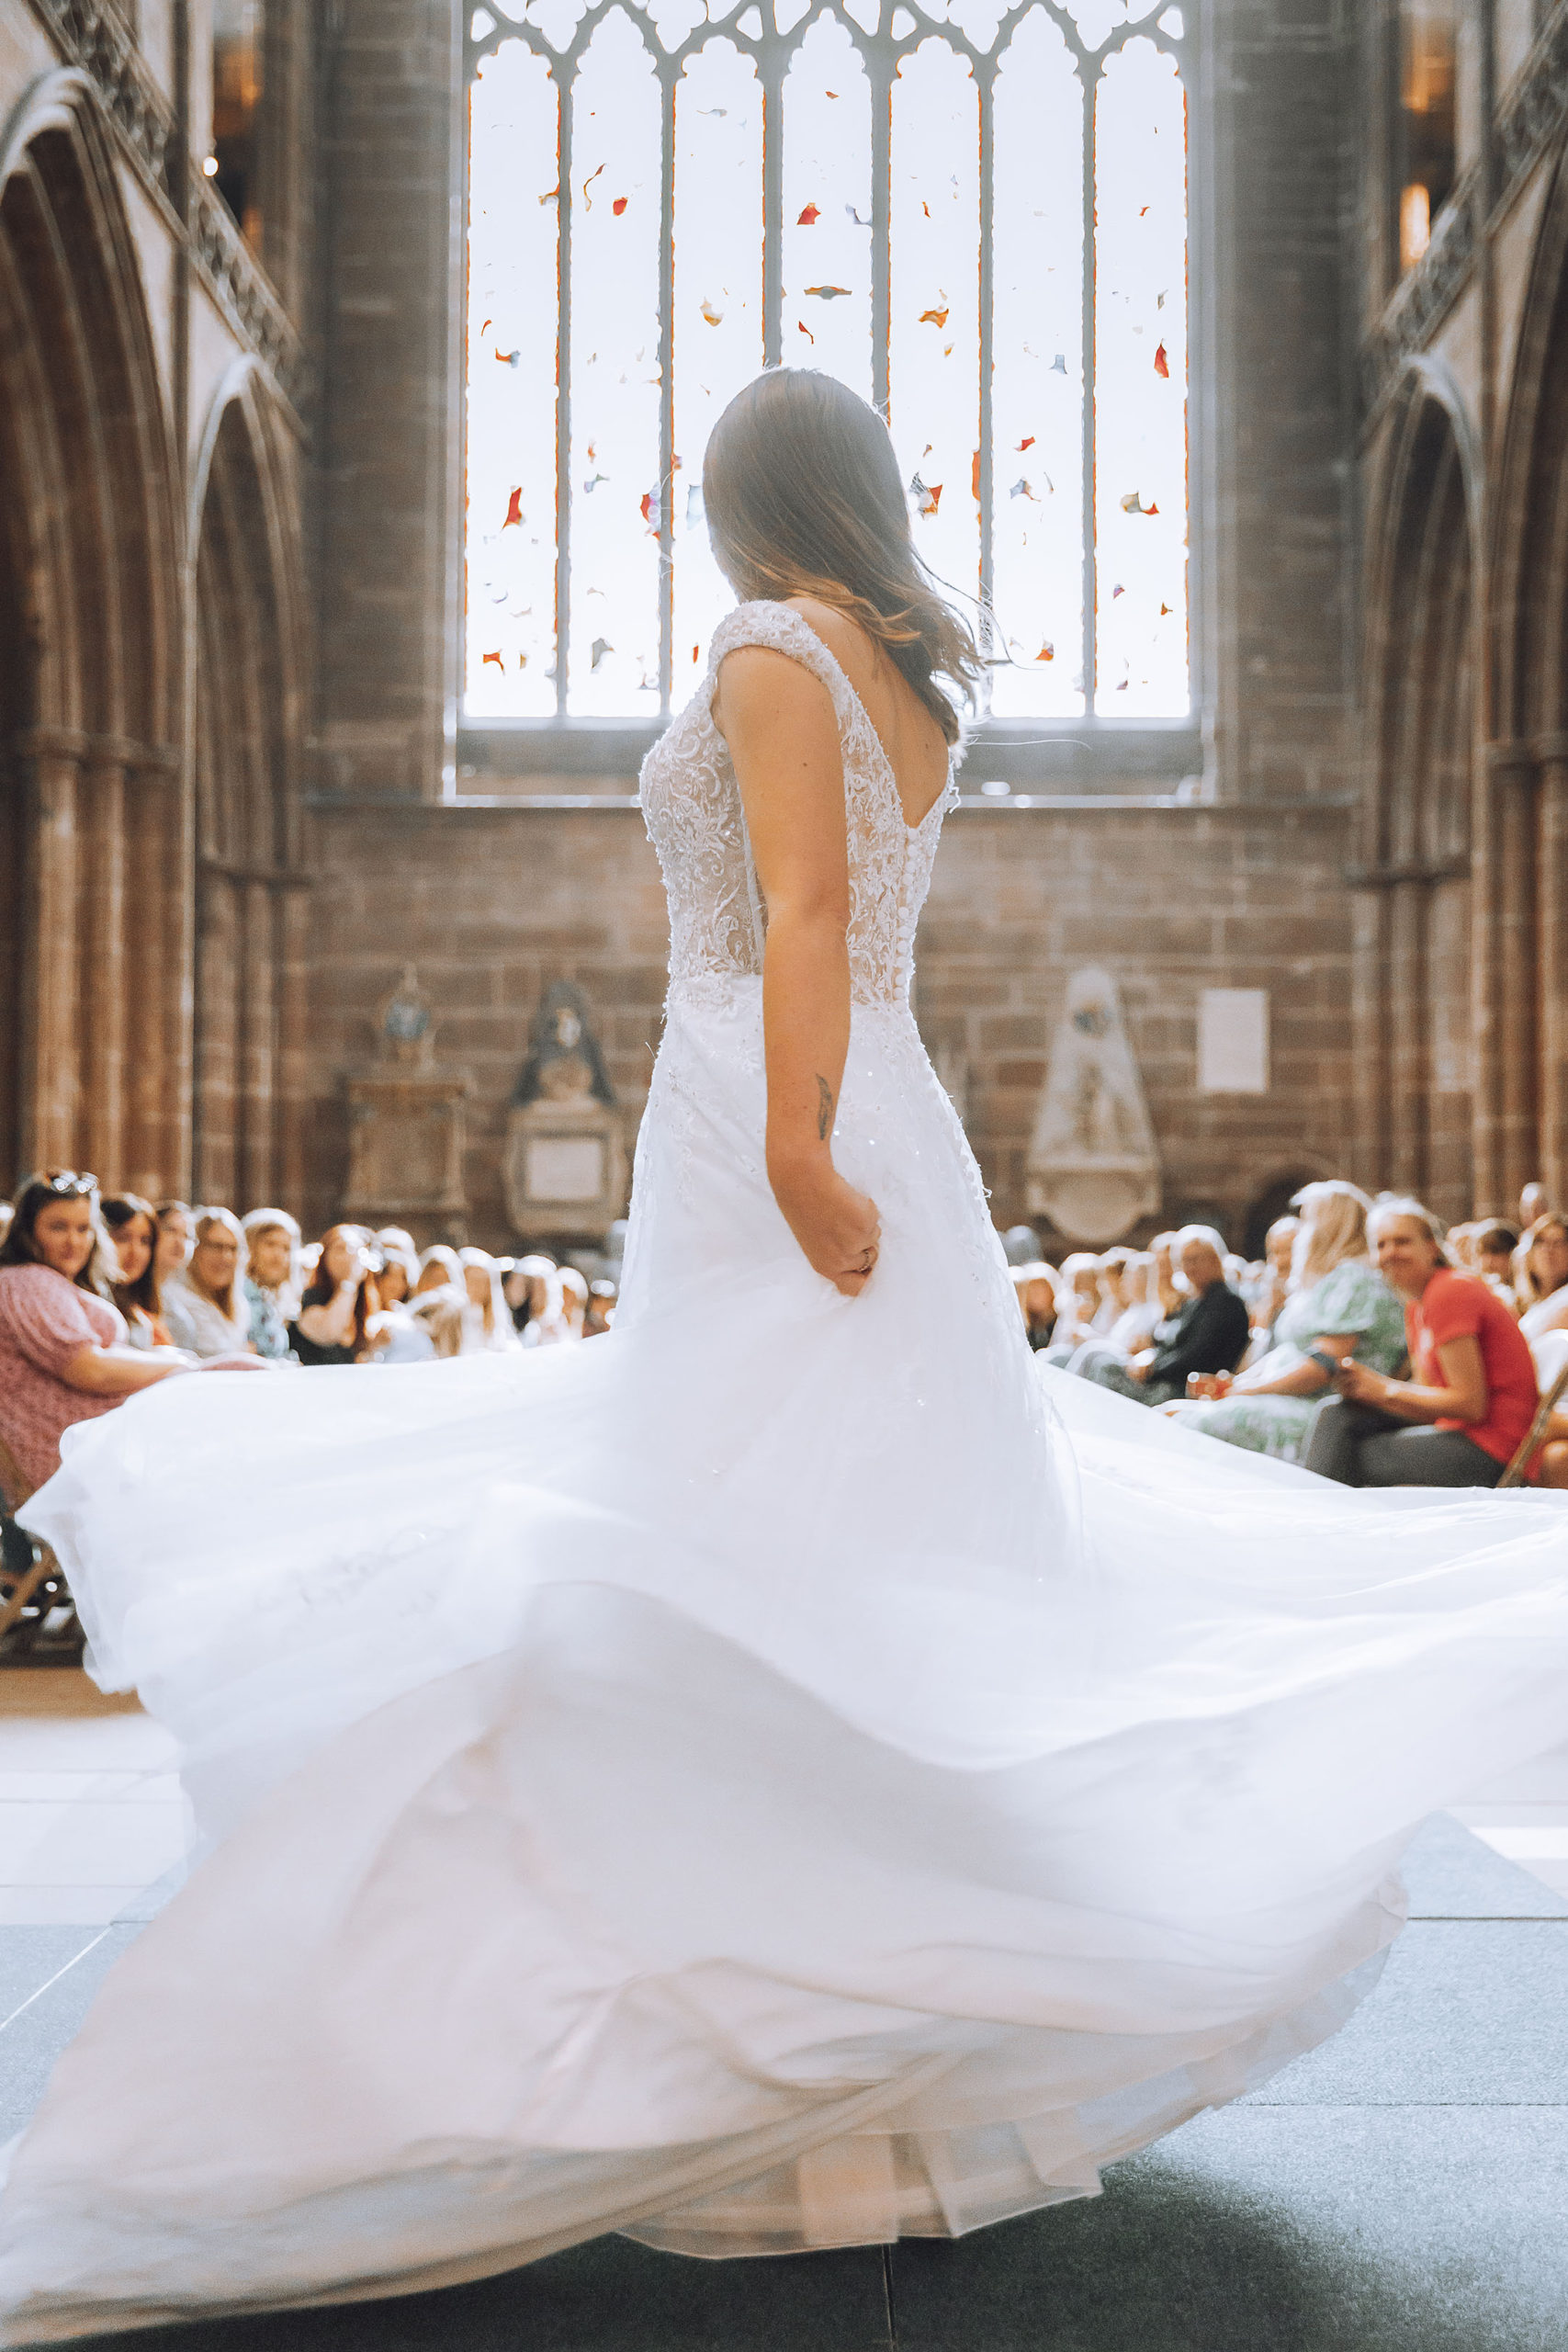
x=356, y=362
x=259, y=754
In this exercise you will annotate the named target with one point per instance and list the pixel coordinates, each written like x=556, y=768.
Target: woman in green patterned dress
x=1339, y=1303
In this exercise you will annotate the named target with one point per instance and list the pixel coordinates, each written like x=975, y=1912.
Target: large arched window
x=974, y=215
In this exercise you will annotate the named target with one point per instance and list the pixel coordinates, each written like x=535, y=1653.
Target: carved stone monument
x=1093, y=1167
x=406, y=1126
x=566, y=1155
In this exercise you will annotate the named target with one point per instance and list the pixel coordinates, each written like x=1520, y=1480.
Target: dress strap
x=783, y=631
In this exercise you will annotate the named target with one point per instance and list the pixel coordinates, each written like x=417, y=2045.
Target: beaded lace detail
x=692, y=807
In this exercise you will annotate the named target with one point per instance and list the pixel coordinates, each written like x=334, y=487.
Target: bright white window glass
x=934, y=307
x=1037, y=575
x=718, y=314
x=513, y=306
x=629, y=610
x=826, y=208
x=1141, y=386
x=613, y=658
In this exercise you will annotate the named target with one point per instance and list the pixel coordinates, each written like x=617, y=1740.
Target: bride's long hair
x=803, y=498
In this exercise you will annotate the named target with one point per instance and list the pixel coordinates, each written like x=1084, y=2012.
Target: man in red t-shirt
x=1458, y=1422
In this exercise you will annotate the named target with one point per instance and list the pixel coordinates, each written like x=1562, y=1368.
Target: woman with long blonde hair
x=759, y=1784
x=1339, y=1307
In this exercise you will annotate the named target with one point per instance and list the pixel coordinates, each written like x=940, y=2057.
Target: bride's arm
x=784, y=739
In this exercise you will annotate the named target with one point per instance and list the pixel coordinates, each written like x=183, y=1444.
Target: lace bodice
x=692, y=805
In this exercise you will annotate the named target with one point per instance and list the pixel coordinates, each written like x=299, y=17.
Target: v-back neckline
x=889, y=775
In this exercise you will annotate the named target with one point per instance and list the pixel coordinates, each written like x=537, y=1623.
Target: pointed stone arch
x=1521, y=928
x=92, y=971
x=247, y=655
x=1414, y=979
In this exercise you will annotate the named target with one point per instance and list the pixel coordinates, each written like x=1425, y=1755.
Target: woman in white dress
x=756, y=1783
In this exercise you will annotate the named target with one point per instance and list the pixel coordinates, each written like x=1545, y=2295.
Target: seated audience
x=1493, y=1244
x=1035, y=1285
x=333, y=1326
x=176, y=1233
x=440, y=1268
x=487, y=1323
x=601, y=1312
x=1540, y=1276
x=438, y=1314
x=1339, y=1306
x=574, y=1301
x=533, y=1292
x=1461, y=1419
x=63, y=1352
x=401, y=1336
x=1078, y=1304
x=1207, y=1333
x=272, y=1281
x=204, y=1306
x=1121, y=1285
x=132, y=1225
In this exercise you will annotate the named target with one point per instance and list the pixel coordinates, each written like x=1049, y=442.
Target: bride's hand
x=836, y=1227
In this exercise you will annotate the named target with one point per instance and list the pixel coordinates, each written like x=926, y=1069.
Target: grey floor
x=1403, y=2189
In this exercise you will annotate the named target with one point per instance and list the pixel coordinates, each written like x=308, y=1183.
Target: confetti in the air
x=806, y=331
x=1134, y=504
x=601, y=646
x=619, y=206
x=715, y=318
x=933, y=318
x=509, y=358
x=1021, y=489
x=1162, y=365
x=514, y=509
x=809, y=217
x=1047, y=652
x=826, y=293
x=497, y=660
x=1027, y=443
x=1059, y=365
x=927, y=495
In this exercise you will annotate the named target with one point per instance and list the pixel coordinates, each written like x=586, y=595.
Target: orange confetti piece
x=1162, y=365
x=826, y=293
x=513, y=510
x=806, y=331
x=587, y=184
x=809, y=218
x=975, y=476
x=715, y=318
x=933, y=318
x=507, y=358
x=619, y=206
x=1027, y=442
x=496, y=659
x=1047, y=652
x=649, y=516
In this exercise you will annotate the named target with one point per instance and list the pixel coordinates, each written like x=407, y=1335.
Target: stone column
x=293, y=938
x=256, y=1107
x=158, y=993
x=1552, y=921
x=51, y=1017
x=1514, y=1045
x=1504, y=774
x=1369, y=1029
x=106, y=980
x=1407, y=1014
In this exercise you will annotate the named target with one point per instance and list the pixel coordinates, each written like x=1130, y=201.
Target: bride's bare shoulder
x=843, y=637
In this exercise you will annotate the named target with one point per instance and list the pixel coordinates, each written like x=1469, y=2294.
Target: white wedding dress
x=788, y=1774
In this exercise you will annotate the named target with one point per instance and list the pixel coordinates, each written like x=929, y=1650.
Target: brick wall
x=492, y=905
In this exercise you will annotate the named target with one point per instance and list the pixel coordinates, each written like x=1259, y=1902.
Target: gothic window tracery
x=975, y=214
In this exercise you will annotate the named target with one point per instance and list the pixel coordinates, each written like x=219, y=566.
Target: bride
x=789, y=1774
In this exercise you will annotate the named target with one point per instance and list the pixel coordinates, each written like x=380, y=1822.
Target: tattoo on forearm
x=824, y=1106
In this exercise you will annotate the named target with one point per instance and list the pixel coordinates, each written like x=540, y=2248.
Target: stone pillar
x=1369, y=1028
x=293, y=939
x=1551, y=920
x=158, y=989
x=1501, y=774
x=105, y=977
x=51, y=1089
x=1407, y=1014
x=256, y=1071
x=217, y=1041
x=1514, y=1044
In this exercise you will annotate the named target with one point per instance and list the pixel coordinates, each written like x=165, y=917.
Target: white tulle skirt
x=783, y=1775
